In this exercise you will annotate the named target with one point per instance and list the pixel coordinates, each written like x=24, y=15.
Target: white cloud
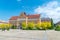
x=51, y=9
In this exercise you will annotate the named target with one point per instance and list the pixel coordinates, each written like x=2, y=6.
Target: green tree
x=52, y=24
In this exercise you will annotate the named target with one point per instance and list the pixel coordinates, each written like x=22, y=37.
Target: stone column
x=17, y=23
x=26, y=21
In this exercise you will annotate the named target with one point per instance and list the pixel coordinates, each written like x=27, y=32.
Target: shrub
x=57, y=28
x=13, y=27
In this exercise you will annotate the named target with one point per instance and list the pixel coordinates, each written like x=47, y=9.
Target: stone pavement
x=29, y=35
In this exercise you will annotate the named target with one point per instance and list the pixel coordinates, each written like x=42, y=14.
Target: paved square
x=29, y=35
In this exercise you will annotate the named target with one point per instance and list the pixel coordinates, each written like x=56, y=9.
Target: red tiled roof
x=14, y=17
x=29, y=16
x=33, y=16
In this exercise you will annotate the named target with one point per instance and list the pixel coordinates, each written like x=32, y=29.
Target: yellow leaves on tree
x=31, y=24
x=38, y=26
x=24, y=25
x=45, y=25
x=5, y=25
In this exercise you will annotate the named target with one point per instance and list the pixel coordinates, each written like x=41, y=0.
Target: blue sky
x=10, y=8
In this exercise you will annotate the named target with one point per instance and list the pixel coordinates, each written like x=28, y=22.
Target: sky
x=47, y=8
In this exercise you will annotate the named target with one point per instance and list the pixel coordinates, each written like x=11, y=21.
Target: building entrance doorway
x=20, y=26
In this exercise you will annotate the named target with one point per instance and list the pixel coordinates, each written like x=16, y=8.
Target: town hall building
x=23, y=17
